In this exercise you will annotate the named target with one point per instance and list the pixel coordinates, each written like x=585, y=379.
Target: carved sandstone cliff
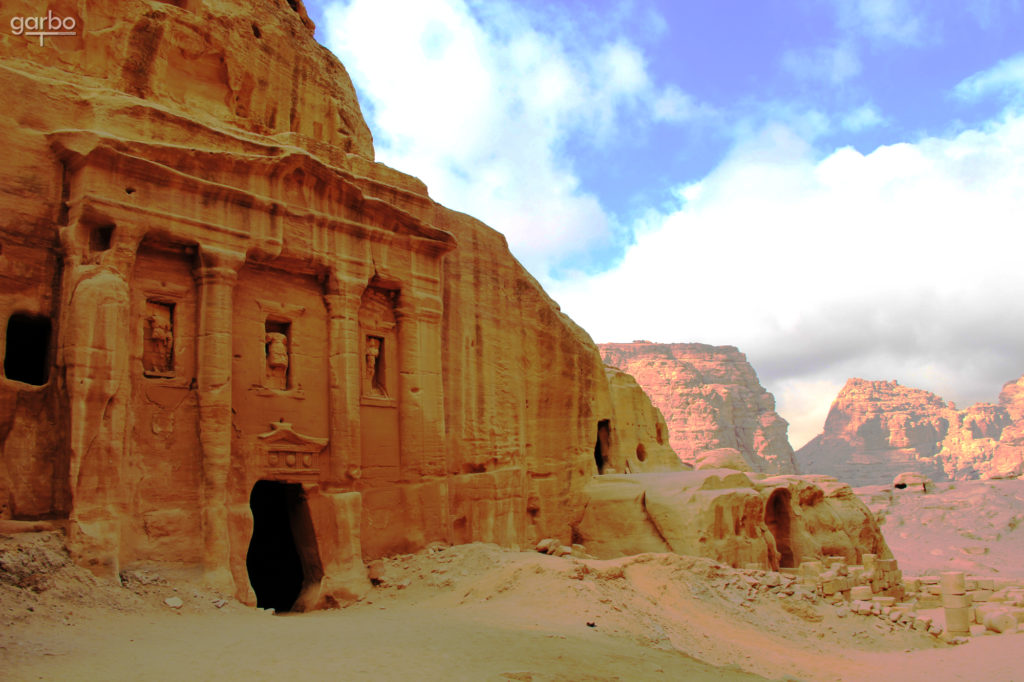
x=218, y=312
x=878, y=429
x=711, y=399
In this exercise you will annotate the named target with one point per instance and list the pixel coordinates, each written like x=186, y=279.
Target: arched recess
x=778, y=518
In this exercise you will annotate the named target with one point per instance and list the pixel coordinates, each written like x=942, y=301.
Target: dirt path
x=418, y=643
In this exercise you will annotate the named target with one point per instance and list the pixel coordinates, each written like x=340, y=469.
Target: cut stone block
x=958, y=621
x=952, y=582
x=860, y=592
x=1000, y=621
x=956, y=601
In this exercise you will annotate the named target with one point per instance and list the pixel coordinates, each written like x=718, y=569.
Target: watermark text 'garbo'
x=44, y=27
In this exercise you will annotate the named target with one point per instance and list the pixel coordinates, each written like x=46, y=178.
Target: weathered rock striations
x=878, y=429
x=711, y=398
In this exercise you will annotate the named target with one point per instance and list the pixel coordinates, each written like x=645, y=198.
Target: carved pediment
x=286, y=453
x=283, y=436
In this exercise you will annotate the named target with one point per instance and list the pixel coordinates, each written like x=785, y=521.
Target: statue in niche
x=158, y=351
x=277, y=360
x=373, y=382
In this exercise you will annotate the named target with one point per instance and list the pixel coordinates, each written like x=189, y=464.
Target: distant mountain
x=711, y=398
x=877, y=429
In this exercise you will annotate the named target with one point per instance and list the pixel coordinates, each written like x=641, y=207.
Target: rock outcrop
x=876, y=430
x=736, y=518
x=711, y=398
x=637, y=435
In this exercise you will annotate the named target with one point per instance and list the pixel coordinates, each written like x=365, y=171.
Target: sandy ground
x=971, y=526
x=478, y=612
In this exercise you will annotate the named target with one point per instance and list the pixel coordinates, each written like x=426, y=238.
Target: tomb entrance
x=283, y=560
x=777, y=517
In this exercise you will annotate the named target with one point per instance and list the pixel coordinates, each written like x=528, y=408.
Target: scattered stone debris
x=554, y=547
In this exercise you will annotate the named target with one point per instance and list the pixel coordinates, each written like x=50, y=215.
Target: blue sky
x=835, y=187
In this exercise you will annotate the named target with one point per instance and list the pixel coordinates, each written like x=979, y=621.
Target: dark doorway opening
x=777, y=518
x=27, y=352
x=602, y=445
x=283, y=560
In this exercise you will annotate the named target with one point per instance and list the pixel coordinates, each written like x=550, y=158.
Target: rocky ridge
x=711, y=398
x=877, y=429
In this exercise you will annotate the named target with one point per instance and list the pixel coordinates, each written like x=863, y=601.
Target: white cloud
x=900, y=264
x=863, y=117
x=888, y=20
x=1005, y=79
x=676, y=106
x=479, y=100
x=833, y=65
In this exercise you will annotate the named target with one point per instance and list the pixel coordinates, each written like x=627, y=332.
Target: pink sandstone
x=711, y=398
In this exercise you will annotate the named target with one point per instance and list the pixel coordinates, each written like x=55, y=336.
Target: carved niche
x=286, y=454
x=158, y=339
x=379, y=337
x=280, y=348
x=277, y=343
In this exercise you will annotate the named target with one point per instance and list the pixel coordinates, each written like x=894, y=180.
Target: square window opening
x=27, y=351
x=100, y=238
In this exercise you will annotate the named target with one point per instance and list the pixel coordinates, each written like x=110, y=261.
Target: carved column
x=345, y=369
x=421, y=401
x=215, y=275
x=94, y=349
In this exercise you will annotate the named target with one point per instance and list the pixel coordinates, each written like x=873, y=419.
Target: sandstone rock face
x=876, y=430
x=638, y=433
x=232, y=338
x=711, y=399
x=732, y=517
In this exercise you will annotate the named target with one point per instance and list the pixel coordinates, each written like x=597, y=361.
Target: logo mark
x=44, y=27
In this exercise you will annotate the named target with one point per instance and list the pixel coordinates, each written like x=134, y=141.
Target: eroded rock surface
x=733, y=517
x=711, y=398
x=638, y=433
x=876, y=430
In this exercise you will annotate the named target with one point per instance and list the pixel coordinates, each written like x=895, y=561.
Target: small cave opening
x=641, y=452
x=602, y=445
x=900, y=486
x=283, y=558
x=779, y=521
x=27, y=350
x=100, y=238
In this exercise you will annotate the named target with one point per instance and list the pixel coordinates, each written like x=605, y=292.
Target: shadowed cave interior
x=281, y=537
x=776, y=517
